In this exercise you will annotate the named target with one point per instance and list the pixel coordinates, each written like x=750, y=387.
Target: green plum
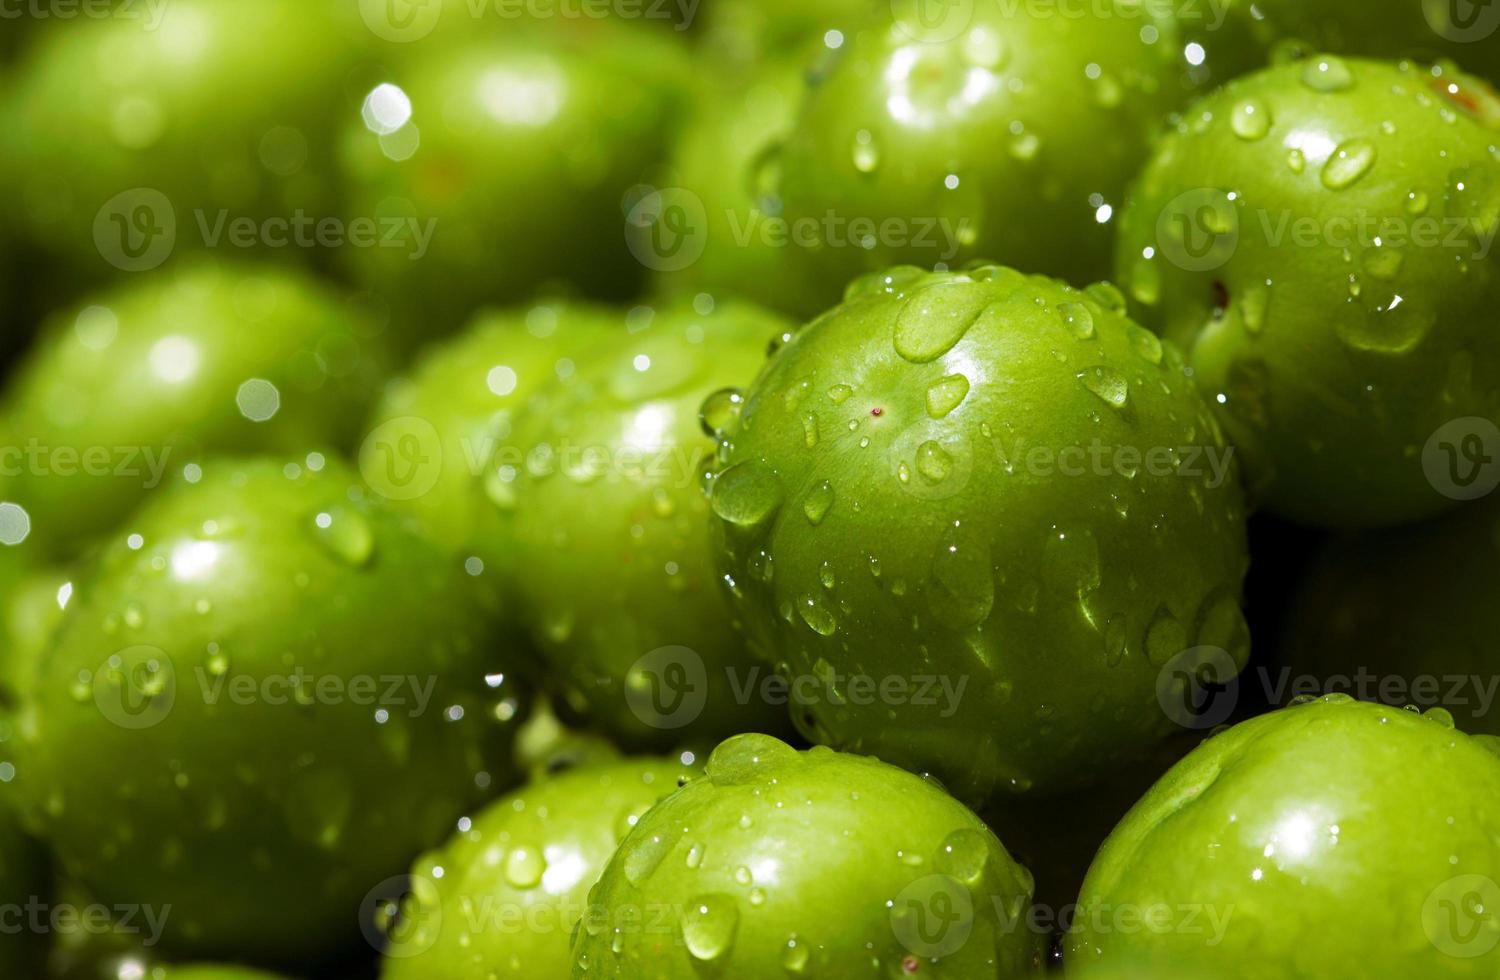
x=1317, y=237
x=131, y=137
x=973, y=517
x=23, y=880
x=506, y=160
x=746, y=248
x=1242, y=35
x=992, y=130
x=606, y=525
x=145, y=378
x=501, y=899
x=433, y=432
x=271, y=682
x=1335, y=838
x=815, y=863
x=1405, y=615
x=748, y=32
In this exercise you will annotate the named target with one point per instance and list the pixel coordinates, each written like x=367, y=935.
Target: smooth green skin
x=516, y=883
x=865, y=536
x=1330, y=399
x=158, y=786
x=1407, y=604
x=1027, y=161
x=609, y=528
x=734, y=126
x=1413, y=804
x=169, y=382
x=459, y=402
x=776, y=857
x=23, y=875
x=754, y=31
x=32, y=608
x=561, y=116
x=1237, y=40
x=197, y=108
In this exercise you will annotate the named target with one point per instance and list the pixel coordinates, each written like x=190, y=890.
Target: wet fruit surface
x=776, y=862
x=1317, y=237
x=988, y=131
x=268, y=681
x=608, y=528
x=129, y=139
x=565, y=116
x=430, y=441
x=1331, y=838
x=925, y=504
x=503, y=896
x=130, y=386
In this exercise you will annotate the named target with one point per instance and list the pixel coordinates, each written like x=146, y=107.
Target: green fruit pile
x=744, y=489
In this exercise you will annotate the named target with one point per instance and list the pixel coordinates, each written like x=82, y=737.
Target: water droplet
x=819, y=501
x=1108, y=296
x=964, y=855
x=936, y=318
x=1255, y=300
x=794, y=958
x=1145, y=281
x=838, y=394
x=810, y=433
x=866, y=153
x=816, y=614
x=946, y=395
x=747, y=495
x=1350, y=162
x=1382, y=263
x=1395, y=327
x=524, y=867
x=1070, y=563
x=1078, y=319
x=1147, y=345
x=1165, y=637
x=1417, y=202
x=962, y=590
x=346, y=533
x=933, y=461
x=720, y=411
x=1108, y=384
x=1296, y=160
x=1327, y=74
x=1250, y=120
x=709, y=925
